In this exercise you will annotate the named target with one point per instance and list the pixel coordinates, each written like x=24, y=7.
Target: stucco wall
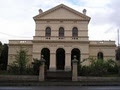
x=106, y=47
x=15, y=47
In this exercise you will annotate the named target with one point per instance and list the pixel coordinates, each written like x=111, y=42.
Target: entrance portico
x=59, y=58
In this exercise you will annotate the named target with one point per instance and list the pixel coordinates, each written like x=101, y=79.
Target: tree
x=4, y=56
x=118, y=54
x=0, y=47
x=36, y=65
x=118, y=58
x=21, y=59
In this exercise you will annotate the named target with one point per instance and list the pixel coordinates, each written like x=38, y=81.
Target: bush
x=36, y=65
x=98, y=68
x=15, y=69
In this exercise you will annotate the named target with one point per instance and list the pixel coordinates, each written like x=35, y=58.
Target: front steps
x=58, y=75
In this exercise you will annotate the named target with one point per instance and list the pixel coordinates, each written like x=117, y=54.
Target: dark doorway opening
x=46, y=53
x=75, y=52
x=60, y=59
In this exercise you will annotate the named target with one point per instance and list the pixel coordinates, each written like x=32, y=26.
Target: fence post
x=74, y=69
x=42, y=70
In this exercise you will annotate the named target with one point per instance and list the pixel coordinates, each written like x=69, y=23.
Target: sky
x=16, y=17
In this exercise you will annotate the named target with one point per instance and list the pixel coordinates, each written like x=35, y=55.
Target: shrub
x=14, y=69
x=98, y=68
x=36, y=65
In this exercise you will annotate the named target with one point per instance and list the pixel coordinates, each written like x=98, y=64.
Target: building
x=61, y=33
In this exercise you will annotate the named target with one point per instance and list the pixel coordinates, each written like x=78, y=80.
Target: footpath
x=59, y=83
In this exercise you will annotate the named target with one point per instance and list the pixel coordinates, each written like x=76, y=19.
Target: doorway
x=60, y=59
x=46, y=53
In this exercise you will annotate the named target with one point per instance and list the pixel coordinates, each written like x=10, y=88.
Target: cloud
x=16, y=17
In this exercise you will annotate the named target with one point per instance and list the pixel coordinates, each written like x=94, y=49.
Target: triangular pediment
x=62, y=12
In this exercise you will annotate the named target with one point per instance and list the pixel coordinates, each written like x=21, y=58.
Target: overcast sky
x=16, y=17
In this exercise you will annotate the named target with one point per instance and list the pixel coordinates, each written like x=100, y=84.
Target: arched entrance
x=60, y=59
x=75, y=52
x=46, y=53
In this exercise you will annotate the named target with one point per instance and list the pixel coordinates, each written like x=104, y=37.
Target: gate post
x=74, y=69
x=42, y=69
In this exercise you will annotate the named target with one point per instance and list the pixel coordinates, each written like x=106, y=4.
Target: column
x=52, y=62
x=67, y=62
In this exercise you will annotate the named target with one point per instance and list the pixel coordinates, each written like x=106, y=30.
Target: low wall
x=18, y=78
x=35, y=78
x=98, y=78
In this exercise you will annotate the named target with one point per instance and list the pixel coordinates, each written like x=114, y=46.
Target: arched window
x=100, y=55
x=75, y=32
x=61, y=32
x=48, y=32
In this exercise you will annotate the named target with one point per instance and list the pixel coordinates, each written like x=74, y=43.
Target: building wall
x=106, y=47
x=55, y=18
x=14, y=47
x=67, y=25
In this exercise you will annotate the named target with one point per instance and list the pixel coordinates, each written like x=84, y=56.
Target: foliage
x=1, y=47
x=15, y=70
x=98, y=67
x=3, y=56
x=118, y=54
x=19, y=66
x=36, y=65
x=32, y=69
x=21, y=59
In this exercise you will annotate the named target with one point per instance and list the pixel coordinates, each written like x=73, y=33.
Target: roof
x=85, y=17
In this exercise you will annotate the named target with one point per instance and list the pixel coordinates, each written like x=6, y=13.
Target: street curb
x=59, y=83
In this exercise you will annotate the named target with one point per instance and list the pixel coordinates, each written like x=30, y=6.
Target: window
x=48, y=32
x=61, y=32
x=100, y=55
x=75, y=32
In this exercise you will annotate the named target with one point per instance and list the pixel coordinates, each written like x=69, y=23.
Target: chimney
x=40, y=11
x=84, y=11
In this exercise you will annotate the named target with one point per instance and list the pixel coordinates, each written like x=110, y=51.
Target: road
x=63, y=88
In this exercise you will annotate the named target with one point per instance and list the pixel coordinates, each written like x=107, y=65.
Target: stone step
x=59, y=75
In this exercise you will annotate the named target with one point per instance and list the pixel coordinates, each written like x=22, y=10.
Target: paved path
x=63, y=88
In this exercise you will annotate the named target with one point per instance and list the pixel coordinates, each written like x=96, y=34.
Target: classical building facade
x=61, y=33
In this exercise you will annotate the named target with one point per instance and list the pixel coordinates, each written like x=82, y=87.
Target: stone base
x=67, y=68
x=52, y=69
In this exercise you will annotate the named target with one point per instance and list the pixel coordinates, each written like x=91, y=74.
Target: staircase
x=58, y=75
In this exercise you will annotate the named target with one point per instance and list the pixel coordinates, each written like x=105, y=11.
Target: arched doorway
x=46, y=53
x=75, y=52
x=60, y=59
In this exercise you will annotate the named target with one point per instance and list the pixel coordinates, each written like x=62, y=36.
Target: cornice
x=37, y=19
x=38, y=41
x=20, y=44
x=102, y=45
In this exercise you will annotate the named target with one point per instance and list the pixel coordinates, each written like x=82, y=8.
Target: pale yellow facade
x=67, y=18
